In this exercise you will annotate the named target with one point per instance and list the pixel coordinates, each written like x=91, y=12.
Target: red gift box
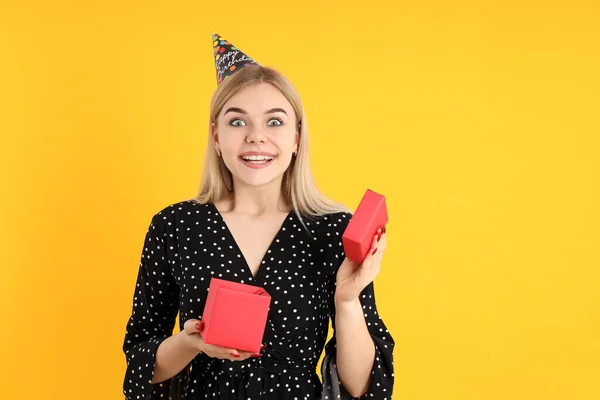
x=370, y=215
x=235, y=315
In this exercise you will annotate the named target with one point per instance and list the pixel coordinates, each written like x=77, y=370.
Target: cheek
x=230, y=140
x=285, y=142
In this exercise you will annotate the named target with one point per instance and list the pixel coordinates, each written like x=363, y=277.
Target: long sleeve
x=382, y=374
x=154, y=309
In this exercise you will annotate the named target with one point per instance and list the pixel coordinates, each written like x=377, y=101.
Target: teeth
x=257, y=158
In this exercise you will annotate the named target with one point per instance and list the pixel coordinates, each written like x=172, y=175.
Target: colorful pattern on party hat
x=228, y=58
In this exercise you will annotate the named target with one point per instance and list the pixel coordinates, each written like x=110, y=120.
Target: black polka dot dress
x=186, y=244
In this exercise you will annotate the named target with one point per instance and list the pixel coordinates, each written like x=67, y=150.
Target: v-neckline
x=247, y=267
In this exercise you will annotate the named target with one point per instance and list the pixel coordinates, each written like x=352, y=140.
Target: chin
x=258, y=181
x=258, y=178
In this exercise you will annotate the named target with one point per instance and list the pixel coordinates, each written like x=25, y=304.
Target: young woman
x=258, y=219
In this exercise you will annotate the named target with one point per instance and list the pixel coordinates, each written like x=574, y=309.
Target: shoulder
x=337, y=222
x=181, y=212
x=330, y=226
x=332, y=229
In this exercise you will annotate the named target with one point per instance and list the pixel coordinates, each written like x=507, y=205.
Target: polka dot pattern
x=186, y=244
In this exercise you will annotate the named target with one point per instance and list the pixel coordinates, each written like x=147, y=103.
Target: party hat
x=228, y=58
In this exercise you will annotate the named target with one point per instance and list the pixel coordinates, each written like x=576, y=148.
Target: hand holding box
x=235, y=315
x=370, y=215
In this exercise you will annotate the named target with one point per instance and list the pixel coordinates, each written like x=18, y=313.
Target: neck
x=257, y=200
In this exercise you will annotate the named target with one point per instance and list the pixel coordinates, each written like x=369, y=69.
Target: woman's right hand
x=192, y=338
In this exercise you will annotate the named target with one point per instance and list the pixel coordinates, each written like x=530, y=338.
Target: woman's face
x=256, y=133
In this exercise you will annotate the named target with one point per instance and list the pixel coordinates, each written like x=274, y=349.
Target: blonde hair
x=298, y=186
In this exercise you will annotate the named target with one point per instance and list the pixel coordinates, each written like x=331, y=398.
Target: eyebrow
x=239, y=110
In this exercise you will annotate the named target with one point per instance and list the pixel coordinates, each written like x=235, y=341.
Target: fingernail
x=264, y=346
x=383, y=229
x=255, y=355
x=379, y=236
x=198, y=326
x=234, y=355
x=374, y=251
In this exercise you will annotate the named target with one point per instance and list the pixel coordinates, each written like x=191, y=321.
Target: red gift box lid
x=369, y=216
x=235, y=315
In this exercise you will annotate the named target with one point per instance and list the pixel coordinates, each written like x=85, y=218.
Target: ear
x=214, y=133
x=297, y=142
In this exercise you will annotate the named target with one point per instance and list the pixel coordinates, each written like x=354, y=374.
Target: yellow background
x=479, y=122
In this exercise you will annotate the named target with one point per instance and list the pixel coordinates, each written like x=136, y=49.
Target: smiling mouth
x=258, y=160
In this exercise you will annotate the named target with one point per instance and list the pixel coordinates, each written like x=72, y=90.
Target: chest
x=277, y=255
x=254, y=238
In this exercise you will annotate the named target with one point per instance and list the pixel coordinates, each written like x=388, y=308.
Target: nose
x=256, y=135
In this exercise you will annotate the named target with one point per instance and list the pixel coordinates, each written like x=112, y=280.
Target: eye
x=237, y=122
x=275, y=122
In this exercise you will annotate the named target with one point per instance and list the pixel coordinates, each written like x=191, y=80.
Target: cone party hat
x=228, y=58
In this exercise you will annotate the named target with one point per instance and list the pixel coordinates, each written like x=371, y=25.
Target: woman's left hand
x=352, y=278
